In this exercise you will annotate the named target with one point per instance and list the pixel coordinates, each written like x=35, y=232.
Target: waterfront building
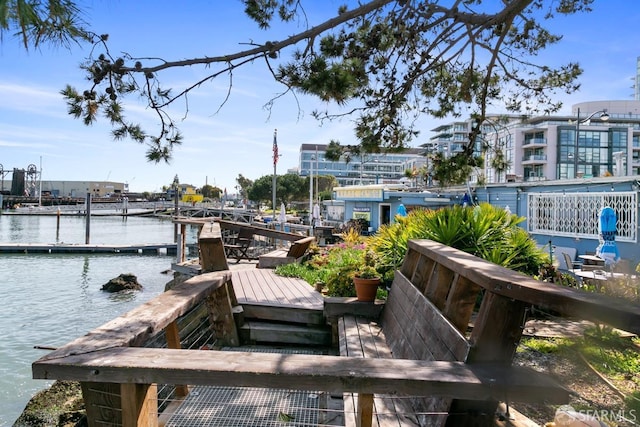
x=370, y=168
x=378, y=204
x=599, y=138
x=564, y=213
x=61, y=189
x=559, y=213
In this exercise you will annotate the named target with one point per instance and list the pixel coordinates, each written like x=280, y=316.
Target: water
x=50, y=299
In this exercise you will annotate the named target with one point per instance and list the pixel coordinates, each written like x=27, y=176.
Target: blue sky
x=35, y=127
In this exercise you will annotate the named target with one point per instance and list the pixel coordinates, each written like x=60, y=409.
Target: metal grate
x=255, y=407
x=232, y=406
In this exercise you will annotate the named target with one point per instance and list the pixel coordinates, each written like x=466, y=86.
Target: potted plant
x=367, y=279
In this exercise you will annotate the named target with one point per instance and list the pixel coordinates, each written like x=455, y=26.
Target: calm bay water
x=50, y=299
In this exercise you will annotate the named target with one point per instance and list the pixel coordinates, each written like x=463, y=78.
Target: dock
x=52, y=248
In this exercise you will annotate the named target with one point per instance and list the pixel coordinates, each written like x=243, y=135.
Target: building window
x=576, y=214
x=594, y=154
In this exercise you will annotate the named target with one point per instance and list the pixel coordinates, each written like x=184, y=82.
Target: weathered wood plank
x=263, y=286
x=286, y=333
x=284, y=314
x=305, y=372
x=295, y=292
x=279, y=294
x=439, y=286
x=415, y=328
x=212, y=255
x=410, y=263
x=461, y=302
x=497, y=329
x=140, y=324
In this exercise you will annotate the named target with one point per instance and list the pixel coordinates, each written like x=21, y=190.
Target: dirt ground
x=589, y=390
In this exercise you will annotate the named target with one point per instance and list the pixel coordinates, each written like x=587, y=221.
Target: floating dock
x=31, y=248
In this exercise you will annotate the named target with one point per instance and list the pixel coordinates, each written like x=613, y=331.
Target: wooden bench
x=412, y=327
x=295, y=253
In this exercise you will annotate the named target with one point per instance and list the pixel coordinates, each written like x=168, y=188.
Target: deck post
x=139, y=405
x=364, y=415
x=220, y=304
x=495, y=336
x=183, y=243
x=172, y=335
x=212, y=256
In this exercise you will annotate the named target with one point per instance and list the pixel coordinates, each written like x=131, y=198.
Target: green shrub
x=486, y=231
x=302, y=271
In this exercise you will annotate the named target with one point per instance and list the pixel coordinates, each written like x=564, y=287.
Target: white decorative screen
x=576, y=214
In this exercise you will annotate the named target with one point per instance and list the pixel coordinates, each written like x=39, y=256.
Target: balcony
x=535, y=159
x=535, y=142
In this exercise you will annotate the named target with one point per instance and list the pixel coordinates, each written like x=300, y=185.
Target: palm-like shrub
x=486, y=231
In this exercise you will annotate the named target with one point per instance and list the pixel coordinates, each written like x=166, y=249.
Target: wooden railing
x=270, y=234
x=119, y=377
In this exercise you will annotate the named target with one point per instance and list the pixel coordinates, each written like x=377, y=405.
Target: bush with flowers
x=335, y=266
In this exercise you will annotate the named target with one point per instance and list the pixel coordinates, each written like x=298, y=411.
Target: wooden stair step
x=269, y=332
x=284, y=314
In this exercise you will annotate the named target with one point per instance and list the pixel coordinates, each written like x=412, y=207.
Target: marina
x=50, y=298
x=57, y=248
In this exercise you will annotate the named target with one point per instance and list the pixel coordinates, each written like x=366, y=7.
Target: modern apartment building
x=599, y=138
x=374, y=168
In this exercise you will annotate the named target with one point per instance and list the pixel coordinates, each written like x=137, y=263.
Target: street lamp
x=311, y=189
x=603, y=116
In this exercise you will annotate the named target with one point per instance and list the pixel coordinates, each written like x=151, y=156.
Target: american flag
x=275, y=147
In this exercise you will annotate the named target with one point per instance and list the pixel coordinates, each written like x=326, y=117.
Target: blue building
x=379, y=203
x=562, y=213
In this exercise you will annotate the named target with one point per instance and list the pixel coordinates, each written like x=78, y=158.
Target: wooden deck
x=259, y=286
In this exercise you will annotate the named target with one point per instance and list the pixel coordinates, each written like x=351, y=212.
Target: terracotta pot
x=366, y=288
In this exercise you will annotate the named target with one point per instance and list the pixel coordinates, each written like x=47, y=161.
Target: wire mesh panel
x=232, y=406
x=254, y=407
x=576, y=214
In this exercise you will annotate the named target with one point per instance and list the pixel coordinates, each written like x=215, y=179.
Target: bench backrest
x=416, y=329
x=300, y=247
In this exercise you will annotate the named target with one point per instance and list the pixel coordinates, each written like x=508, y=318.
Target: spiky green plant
x=486, y=231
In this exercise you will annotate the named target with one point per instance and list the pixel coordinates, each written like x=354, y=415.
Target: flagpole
x=273, y=180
